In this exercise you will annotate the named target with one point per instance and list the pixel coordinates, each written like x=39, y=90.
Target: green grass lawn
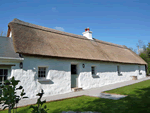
x=137, y=101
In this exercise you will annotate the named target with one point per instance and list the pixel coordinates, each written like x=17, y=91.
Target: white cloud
x=59, y=28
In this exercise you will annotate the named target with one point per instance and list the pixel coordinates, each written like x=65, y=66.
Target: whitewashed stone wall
x=59, y=75
x=106, y=73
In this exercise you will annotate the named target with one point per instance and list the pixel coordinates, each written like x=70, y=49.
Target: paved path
x=96, y=92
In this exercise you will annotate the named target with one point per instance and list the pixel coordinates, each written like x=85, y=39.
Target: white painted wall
x=106, y=73
x=58, y=72
x=88, y=34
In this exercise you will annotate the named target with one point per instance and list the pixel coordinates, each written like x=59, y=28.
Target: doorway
x=74, y=76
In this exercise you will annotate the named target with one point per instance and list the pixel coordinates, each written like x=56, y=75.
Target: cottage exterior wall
x=59, y=74
x=106, y=73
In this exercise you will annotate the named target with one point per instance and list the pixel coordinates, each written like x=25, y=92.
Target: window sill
x=95, y=76
x=43, y=80
x=120, y=74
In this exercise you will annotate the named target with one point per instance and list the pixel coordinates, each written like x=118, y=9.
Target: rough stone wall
x=106, y=73
x=59, y=75
x=57, y=72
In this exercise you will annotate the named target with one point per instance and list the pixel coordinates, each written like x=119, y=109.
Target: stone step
x=76, y=89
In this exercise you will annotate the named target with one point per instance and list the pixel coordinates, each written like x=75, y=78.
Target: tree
x=134, y=50
x=2, y=33
x=141, y=46
x=9, y=98
x=145, y=55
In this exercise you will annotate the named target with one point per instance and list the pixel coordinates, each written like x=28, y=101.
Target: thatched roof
x=37, y=40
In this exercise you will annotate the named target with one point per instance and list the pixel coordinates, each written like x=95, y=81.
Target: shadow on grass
x=135, y=103
x=24, y=110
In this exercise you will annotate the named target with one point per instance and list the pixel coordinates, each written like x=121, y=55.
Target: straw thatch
x=37, y=40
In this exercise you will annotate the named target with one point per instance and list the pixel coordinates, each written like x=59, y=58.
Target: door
x=74, y=76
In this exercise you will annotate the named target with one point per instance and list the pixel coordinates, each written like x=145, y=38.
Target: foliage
x=39, y=109
x=9, y=98
x=145, y=55
x=2, y=33
x=134, y=50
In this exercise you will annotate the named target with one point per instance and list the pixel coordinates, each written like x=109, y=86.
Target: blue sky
x=121, y=22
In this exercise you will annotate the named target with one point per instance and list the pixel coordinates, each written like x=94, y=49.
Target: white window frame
x=3, y=75
x=45, y=72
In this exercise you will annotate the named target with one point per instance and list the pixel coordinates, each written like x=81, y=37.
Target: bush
x=8, y=97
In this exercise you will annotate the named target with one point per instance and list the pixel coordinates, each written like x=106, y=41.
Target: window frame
x=4, y=75
x=139, y=70
x=119, y=70
x=8, y=73
x=45, y=72
x=94, y=67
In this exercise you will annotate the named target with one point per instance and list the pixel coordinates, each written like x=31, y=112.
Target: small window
x=73, y=69
x=42, y=72
x=139, y=67
x=118, y=70
x=93, y=70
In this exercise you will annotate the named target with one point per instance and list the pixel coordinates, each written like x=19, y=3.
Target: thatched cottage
x=57, y=62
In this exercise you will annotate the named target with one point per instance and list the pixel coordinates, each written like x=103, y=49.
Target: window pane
x=0, y=91
x=1, y=78
x=42, y=72
x=93, y=70
x=118, y=69
x=1, y=71
x=73, y=69
x=44, y=75
x=6, y=72
x=5, y=78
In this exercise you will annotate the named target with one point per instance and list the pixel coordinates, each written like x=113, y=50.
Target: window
x=73, y=69
x=42, y=72
x=3, y=75
x=118, y=70
x=139, y=70
x=93, y=70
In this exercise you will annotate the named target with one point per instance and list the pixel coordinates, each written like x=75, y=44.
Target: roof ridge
x=46, y=28
x=109, y=43
x=61, y=32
